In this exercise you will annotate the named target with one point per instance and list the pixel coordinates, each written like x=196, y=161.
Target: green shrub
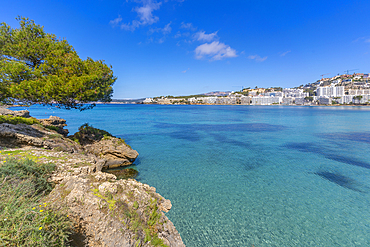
x=18, y=120
x=51, y=127
x=24, y=219
x=88, y=134
x=26, y=169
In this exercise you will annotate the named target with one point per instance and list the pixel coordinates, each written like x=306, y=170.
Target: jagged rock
x=23, y=113
x=21, y=135
x=56, y=122
x=113, y=151
x=106, y=211
x=117, y=213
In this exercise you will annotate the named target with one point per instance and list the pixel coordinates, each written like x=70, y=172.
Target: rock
x=56, y=122
x=119, y=218
x=165, y=206
x=114, y=151
x=23, y=113
x=123, y=173
x=106, y=211
x=108, y=187
x=21, y=135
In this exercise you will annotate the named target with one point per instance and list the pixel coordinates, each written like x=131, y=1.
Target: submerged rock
x=123, y=173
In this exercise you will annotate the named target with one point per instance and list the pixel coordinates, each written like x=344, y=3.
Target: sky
x=185, y=47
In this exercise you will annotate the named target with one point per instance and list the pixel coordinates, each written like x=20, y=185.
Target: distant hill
x=127, y=101
x=218, y=93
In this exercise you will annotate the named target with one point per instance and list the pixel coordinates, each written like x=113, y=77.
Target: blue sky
x=182, y=47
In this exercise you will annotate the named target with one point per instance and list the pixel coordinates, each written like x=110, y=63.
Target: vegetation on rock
x=18, y=120
x=25, y=220
x=88, y=134
x=36, y=67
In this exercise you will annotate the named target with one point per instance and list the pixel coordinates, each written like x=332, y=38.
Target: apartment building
x=266, y=100
x=330, y=91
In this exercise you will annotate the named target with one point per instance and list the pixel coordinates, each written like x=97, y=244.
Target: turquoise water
x=250, y=175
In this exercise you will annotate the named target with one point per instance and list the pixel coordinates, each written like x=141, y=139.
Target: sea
x=249, y=175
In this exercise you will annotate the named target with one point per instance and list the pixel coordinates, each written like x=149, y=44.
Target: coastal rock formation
x=117, y=213
x=23, y=113
x=113, y=151
x=21, y=135
x=105, y=211
x=56, y=122
x=49, y=133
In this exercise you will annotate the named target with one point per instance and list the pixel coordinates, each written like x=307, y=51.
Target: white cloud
x=215, y=51
x=144, y=13
x=284, y=53
x=202, y=36
x=177, y=35
x=185, y=70
x=161, y=40
x=116, y=21
x=257, y=58
x=359, y=39
x=188, y=26
x=166, y=30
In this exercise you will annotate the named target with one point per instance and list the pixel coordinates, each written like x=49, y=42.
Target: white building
x=273, y=94
x=358, y=91
x=265, y=100
x=346, y=99
x=245, y=100
x=287, y=101
x=293, y=93
x=299, y=101
x=325, y=100
x=148, y=101
x=330, y=91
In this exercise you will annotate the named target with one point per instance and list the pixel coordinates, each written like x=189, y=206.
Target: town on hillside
x=344, y=89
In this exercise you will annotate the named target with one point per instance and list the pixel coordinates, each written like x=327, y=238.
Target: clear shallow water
x=244, y=175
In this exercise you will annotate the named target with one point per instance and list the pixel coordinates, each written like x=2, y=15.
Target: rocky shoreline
x=106, y=211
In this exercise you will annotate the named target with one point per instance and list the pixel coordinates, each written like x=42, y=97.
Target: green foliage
x=87, y=134
x=24, y=219
x=122, y=141
x=23, y=120
x=108, y=198
x=36, y=67
x=18, y=120
x=139, y=222
x=37, y=173
x=309, y=98
x=154, y=215
x=51, y=127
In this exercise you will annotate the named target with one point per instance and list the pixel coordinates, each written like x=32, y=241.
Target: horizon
x=185, y=47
